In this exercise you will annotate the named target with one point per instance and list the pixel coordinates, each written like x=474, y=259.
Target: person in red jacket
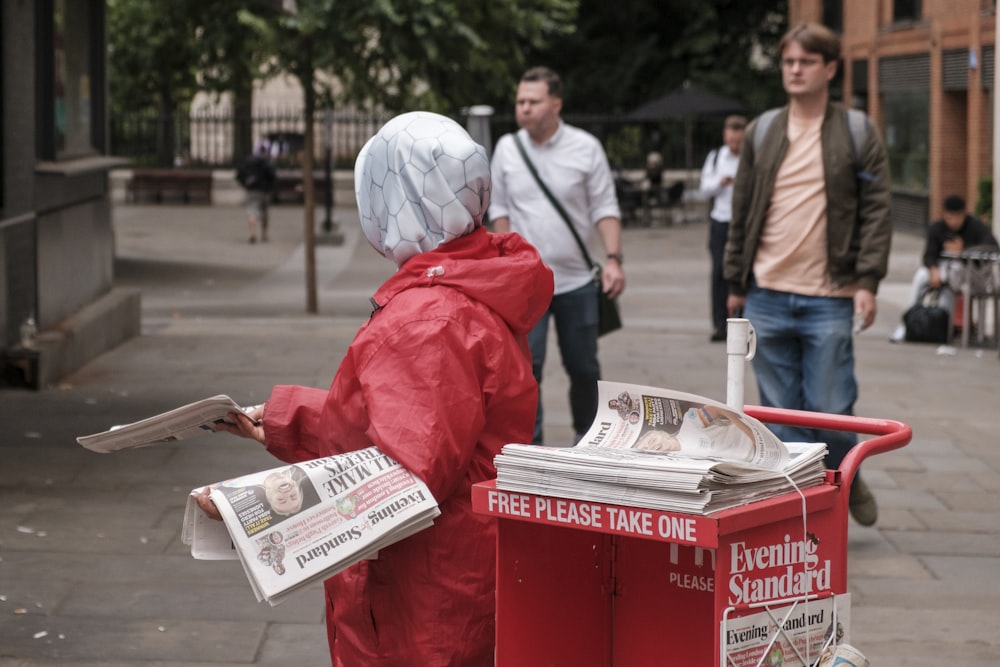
x=439, y=379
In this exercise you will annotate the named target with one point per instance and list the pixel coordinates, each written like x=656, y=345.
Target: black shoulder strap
x=552, y=199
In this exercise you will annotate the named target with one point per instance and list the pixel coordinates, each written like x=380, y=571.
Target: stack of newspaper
x=664, y=450
x=292, y=525
x=297, y=524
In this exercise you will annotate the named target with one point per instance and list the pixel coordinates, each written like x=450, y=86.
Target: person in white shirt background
x=717, y=177
x=573, y=165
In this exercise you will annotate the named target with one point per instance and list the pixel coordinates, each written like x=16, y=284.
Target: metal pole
x=331, y=234
x=328, y=195
x=741, y=346
x=477, y=123
x=327, y=169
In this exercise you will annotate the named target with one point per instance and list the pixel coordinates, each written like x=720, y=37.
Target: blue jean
x=575, y=315
x=805, y=361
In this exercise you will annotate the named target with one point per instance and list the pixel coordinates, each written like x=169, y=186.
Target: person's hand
x=726, y=180
x=735, y=305
x=204, y=500
x=245, y=425
x=955, y=245
x=934, y=279
x=865, y=307
x=613, y=279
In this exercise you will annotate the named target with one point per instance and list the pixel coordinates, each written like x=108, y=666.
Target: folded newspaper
x=186, y=421
x=297, y=524
x=665, y=450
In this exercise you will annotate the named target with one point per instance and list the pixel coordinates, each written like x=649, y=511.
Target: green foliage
x=152, y=55
x=627, y=52
x=625, y=146
x=984, y=200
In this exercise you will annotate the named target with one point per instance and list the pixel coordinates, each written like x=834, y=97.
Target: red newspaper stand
x=582, y=583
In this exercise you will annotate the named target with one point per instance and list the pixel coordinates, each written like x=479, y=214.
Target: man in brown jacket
x=809, y=243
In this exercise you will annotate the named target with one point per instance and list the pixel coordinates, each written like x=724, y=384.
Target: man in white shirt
x=717, y=176
x=574, y=167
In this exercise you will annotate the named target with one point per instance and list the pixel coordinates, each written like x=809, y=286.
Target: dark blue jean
x=575, y=315
x=805, y=361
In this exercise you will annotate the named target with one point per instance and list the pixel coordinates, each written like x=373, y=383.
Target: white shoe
x=899, y=335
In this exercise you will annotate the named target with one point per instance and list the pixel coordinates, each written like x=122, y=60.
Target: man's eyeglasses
x=801, y=62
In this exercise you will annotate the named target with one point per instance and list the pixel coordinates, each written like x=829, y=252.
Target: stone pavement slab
x=89, y=544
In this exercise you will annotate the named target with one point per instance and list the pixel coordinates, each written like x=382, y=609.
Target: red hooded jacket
x=439, y=379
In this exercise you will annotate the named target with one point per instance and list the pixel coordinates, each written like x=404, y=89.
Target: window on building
x=906, y=137
x=906, y=10
x=71, y=71
x=833, y=14
x=72, y=92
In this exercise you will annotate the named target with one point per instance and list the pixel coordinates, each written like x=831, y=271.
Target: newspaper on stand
x=665, y=450
x=187, y=421
x=300, y=523
x=790, y=635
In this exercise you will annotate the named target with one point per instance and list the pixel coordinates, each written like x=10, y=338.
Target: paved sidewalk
x=92, y=571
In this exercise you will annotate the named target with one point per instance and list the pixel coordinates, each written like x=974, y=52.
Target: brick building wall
x=956, y=39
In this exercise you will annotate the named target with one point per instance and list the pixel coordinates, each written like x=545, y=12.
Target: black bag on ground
x=927, y=322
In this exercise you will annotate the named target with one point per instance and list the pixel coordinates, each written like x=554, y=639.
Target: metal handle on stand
x=741, y=346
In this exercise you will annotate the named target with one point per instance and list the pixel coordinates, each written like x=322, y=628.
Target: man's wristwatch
x=617, y=256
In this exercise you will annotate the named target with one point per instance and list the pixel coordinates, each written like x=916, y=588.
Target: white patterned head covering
x=420, y=181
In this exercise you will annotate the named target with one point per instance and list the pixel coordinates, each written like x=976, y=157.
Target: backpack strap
x=857, y=124
x=762, y=125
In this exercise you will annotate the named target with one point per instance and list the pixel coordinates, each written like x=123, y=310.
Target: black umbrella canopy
x=688, y=100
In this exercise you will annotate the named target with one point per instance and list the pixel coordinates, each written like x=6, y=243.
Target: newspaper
x=631, y=416
x=297, y=524
x=791, y=635
x=187, y=421
x=666, y=450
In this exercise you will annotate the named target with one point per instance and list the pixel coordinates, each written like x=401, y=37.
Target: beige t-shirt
x=792, y=253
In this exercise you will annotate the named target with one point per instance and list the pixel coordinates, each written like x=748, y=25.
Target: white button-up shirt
x=573, y=165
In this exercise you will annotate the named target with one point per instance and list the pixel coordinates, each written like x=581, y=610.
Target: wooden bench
x=183, y=184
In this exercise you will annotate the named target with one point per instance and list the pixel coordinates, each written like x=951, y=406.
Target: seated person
x=956, y=231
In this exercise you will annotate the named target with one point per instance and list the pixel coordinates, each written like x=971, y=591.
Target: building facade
x=56, y=236
x=924, y=71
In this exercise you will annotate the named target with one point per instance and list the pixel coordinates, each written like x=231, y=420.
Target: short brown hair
x=814, y=38
x=735, y=122
x=546, y=75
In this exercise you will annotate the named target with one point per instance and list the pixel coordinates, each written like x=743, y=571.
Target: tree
x=625, y=53
x=152, y=62
x=433, y=54
x=230, y=60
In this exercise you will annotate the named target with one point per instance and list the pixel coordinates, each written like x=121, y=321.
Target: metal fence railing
x=207, y=138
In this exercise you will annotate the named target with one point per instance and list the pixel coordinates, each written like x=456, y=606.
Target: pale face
x=804, y=74
x=283, y=493
x=733, y=137
x=954, y=219
x=535, y=110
